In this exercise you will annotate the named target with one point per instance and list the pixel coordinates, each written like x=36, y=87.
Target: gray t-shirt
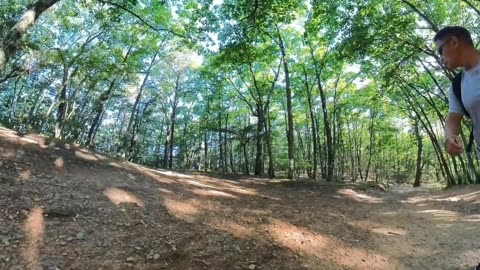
x=470, y=98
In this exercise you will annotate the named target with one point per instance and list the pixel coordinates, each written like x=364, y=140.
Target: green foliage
x=219, y=68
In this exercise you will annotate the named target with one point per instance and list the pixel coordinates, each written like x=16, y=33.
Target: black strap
x=457, y=90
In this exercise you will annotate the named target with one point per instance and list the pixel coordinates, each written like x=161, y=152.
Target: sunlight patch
x=232, y=228
x=213, y=193
x=34, y=228
x=181, y=210
x=444, y=215
x=85, y=156
x=163, y=190
x=150, y=174
x=25, y=175
x=359, y=197
x=174, y=174
x=118, y=196
x=323, y=248
x=59, y=163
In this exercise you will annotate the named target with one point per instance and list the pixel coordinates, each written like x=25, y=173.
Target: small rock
x=130, y=259
x=156, y=256
x=252, y=267
x=63, y=243
x=69, y=238
x=81, y=236
x=11, y=217
x=138, y=248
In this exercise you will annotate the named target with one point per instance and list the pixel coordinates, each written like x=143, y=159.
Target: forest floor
x=62, y=207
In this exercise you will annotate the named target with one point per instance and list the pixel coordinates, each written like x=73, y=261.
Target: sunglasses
x=440, y=48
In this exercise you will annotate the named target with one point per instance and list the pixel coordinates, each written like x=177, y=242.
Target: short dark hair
x=454, y=31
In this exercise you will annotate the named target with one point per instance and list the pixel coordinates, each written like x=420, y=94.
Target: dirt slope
x=62, y=207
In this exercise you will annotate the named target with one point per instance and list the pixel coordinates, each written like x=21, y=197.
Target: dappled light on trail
x=34, y=227
x=118, y=196
x=171, y=173
x=231, y=227
x=149, y=173
x=87, y=156
x=165, y=191
x=440, y=214
x=59, y=163
x=359, y=197
x=25, y=175
x=377, y=228
x=213, y=193
x=182, y=210
x=323, y=247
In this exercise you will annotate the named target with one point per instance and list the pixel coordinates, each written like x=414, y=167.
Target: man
x=456, y=49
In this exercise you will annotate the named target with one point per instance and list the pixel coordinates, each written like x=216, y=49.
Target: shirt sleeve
x=454, y=105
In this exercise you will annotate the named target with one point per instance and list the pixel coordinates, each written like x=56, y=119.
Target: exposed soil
x=62, y=207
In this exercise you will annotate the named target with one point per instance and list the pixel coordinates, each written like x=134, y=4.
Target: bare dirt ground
x=62, y=207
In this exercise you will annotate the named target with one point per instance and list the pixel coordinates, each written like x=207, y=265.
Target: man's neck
x=471, y=58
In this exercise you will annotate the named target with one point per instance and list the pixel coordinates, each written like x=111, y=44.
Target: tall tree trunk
x=99, y=109
x=159, y=145
x=268, y=137
x=62, y=98
x=232, y=165
x=245, y=156
x=372, y=143
x=326, y=121
x=11, y=43
x=290, y=131
x=259, y=168
x=173, y=120
x=419, y=167
x=128, y=134
x=166, y=148
x=205, y=151
x=220, y=143
x=313, y=126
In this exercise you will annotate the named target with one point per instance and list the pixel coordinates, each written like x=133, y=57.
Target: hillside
x=63, y=207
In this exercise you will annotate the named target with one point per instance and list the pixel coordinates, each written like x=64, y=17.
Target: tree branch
x=156, y=29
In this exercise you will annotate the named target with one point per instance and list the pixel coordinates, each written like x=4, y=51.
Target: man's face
x=448, y=50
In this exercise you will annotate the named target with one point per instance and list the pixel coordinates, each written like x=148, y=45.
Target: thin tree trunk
x=313, y=129
x=268, y=137
x=259, y=168
x=166, y=147
x=220, y=144
x=205, y=152
x=245, y=156
x=290, y=131
x=326, y=121
x=371, y=146
x=418, y=173
x=129, y=134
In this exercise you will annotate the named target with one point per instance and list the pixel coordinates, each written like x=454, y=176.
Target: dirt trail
x=62, y=207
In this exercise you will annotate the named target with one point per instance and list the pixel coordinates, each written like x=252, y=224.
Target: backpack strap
x=457, y=90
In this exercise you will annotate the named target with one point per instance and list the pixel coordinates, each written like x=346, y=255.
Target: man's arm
x=453, y=124
x=453, y=143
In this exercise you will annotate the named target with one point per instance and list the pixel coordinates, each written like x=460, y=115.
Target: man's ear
x=455, y=42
